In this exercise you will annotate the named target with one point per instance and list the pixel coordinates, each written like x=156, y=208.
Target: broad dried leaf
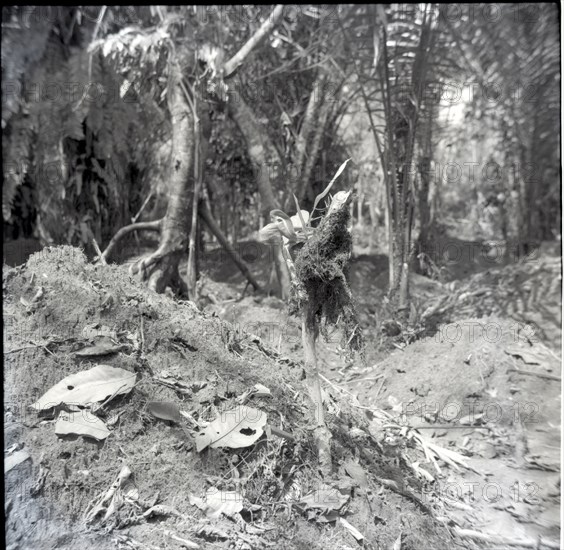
x=211, y=531
x=83, y=423
x=326, y=517
x=11, y=461
x=471, y=420
x=164, y=410
x=300, y=220
x=237, y=428
x=95, y=330
x=283, y=227
x=284, y=224
x=301, y=214
x=357, y=473
x=89, y=386
x=260, y=391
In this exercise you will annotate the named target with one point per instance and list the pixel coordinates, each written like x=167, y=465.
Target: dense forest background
x=151, y=115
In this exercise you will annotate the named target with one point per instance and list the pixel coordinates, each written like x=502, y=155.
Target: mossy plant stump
x=322, y=297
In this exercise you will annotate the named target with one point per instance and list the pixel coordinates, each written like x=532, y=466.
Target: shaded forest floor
x=459, y=383
x=476, y=371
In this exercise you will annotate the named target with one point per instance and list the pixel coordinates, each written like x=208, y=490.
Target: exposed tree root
x=160, y=269
x=139, y=226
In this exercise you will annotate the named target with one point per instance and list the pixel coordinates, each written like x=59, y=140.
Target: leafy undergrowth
x=149, y=484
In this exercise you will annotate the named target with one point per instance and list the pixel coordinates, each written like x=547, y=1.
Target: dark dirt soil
x=203, y=365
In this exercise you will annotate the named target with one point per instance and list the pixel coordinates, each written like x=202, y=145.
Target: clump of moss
x=322, y=290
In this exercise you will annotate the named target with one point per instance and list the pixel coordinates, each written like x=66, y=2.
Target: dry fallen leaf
x=165, y=410
x=83, y=423
x=357, y=473
x=86, y=387
x=237, y=428
x=11, y=461
x=104, y=346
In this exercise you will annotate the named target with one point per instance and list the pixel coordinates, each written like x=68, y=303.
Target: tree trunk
x=202, y=132
x=424, y=207
x=192, y=268
x=315, y=124
x=266, y=163
x=402, y=121
x=160, y=268
x=360, y=202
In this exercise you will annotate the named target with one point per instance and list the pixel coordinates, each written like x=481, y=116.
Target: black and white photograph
x=282, y=277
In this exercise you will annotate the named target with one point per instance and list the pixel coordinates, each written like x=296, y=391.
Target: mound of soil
x=147, y=477
x=490, y=390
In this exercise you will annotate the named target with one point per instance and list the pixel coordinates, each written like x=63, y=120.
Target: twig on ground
x=364, y=379
x=533, y=373
x=379, y=388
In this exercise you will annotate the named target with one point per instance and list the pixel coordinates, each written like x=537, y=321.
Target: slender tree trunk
x=374, y=218
x=424, y=206
x=390, y=234
x=160, y=268
x=192, y=271
x=359, y=209
x=322, y=433
x=266, y=165
x=309, y=118
x=402, y=121
x=316, y=139
x=316, y=123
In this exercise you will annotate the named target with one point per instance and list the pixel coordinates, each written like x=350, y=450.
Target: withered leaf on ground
x=237, y=428
x=82, y=423
x=86, y=387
